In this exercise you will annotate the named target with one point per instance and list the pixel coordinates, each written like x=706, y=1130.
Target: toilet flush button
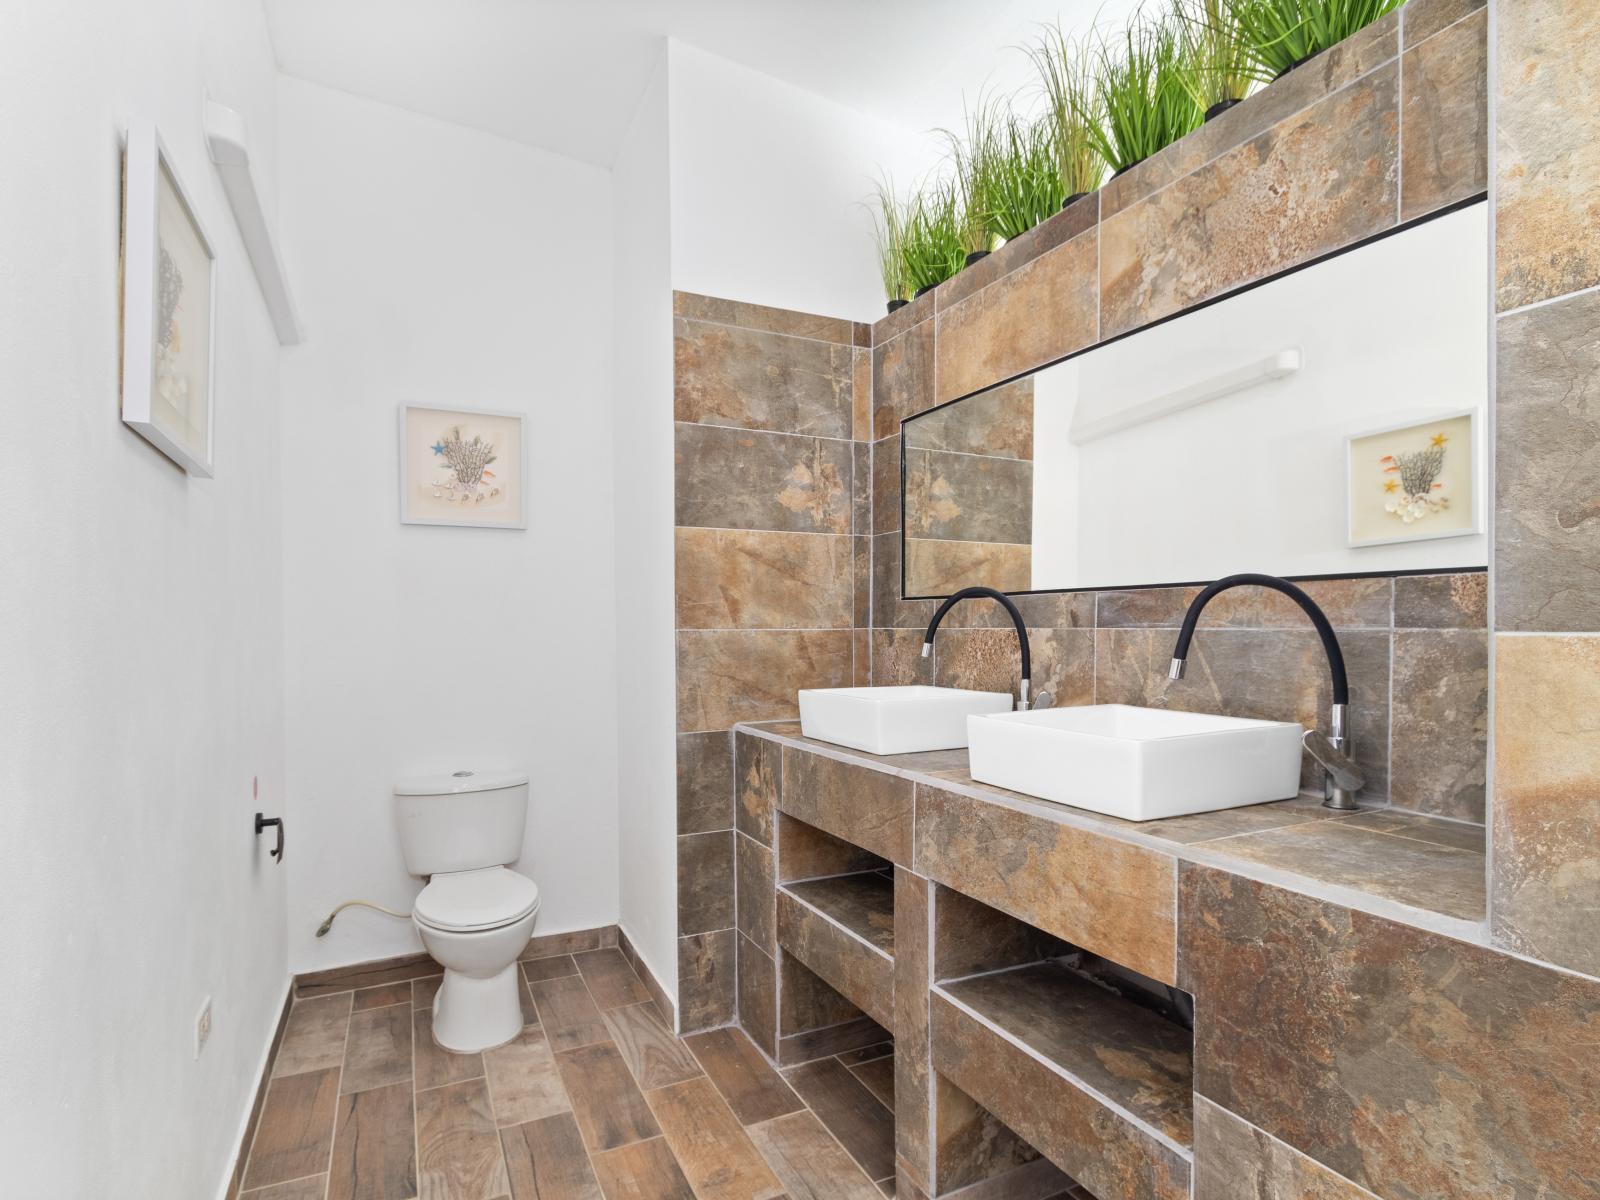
x=461, y=775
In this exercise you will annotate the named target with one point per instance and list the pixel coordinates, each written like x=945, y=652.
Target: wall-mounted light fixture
x=1092, y=420
x=225, y=139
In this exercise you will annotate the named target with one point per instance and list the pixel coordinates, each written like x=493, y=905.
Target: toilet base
x=473, y=1013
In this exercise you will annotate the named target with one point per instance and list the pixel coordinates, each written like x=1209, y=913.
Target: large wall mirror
x=1330, y=421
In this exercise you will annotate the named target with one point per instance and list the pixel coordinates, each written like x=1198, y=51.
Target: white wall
x=140, y=646
x=643, y=447
x=440, y=265
x=770, y=185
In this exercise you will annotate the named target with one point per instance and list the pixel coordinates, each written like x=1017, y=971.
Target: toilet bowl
x=476, y=915
x=474, y=924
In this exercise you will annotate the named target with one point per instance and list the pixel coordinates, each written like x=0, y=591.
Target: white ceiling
x=566, y=75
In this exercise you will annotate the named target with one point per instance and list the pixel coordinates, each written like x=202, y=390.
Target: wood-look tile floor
x=594, y=1100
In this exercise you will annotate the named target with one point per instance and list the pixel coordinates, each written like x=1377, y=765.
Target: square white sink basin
x=895, y=720
x=1139, y=764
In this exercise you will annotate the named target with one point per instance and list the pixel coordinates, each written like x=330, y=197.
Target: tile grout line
x=799, y=337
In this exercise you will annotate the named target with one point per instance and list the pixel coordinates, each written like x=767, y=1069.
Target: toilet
x=476, y=915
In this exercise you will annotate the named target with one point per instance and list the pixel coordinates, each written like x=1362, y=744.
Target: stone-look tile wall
x=1545, y=887
x=1379, y=1056
x=969, y=495
x=771, y=516
x=1387, y=127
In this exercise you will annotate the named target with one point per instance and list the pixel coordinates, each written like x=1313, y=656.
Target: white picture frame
x=169, y=308
x=432, y=492
x=1371, y=462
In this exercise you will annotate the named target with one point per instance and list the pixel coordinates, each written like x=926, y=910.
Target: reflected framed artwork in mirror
x=1325, y=422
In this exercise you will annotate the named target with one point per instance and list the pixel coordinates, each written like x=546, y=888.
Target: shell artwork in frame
x=461, y=467
x=168, y=307
x=1414, y=482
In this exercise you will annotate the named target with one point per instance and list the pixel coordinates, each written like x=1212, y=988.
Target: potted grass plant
x=1144, y=91
x=1025, y=184
x=1222, y=64
x=975, y=158
x=889, y=230
x=1282, y=34
x=1072, y=109
x=931, y=245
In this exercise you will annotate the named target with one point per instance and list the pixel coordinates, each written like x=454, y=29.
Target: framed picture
x=1414, y=482
x=462, y=466
x=168, y=307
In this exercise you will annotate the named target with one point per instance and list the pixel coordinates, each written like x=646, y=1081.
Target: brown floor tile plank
x=611, y=980
x=523, y=1081
x=751, y=1087
x=878, y=1078
x=652, y=1053
x=530, y=1014
x=557, y=965
x=296, y=1129
x=375, y=1147
x=642, y=1171
x=852, y=1114
x=382, y=997
x=435, y=1066
x=609, y=1107
x=568, y=1013
x=458, y=1148
x=314, y=1037
x=423, y=991
x=809, y=1161
x=717, y=1156
x=378, y=1051
x=546, y=1161
x=314, y=1187
x=854, y=1058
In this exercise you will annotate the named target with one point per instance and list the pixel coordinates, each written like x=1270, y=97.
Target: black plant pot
x=1073, y=199
x=1299, y=62
x=923, y=291
x=1126, y=169
x=1220, y=107
x=976, y=255
x=896, y=305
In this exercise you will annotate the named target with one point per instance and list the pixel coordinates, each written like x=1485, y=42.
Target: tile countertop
x=1414, y=869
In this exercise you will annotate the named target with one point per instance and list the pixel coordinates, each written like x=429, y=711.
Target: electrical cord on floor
x=328, y=924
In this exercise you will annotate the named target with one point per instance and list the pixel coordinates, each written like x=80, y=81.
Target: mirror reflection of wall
x=1329, y=422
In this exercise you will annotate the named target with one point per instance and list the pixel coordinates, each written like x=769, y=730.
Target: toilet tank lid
x=453, y=783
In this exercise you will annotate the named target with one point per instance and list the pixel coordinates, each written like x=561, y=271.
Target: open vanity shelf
x=842, y=928
x=1099, y=1084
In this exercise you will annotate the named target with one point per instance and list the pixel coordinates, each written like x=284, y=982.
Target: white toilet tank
x=461, y=821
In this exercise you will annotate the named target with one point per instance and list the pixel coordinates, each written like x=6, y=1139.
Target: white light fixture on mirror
x=225, y=137
x=1091, y=421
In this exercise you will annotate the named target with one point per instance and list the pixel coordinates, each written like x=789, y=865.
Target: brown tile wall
x=1545, y=885
x=969, y=495
x=772, y=512
x=1386, y=127
x=1410, y=1063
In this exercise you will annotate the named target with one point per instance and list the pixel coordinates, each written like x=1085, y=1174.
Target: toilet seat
x=476, y=901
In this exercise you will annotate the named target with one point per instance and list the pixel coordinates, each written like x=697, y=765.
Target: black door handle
x=262, y=823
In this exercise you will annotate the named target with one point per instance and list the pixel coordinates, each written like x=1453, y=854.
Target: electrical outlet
x=202, y=1027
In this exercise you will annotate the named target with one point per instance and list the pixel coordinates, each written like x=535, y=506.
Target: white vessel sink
x=1139, y=764
x=895, y=720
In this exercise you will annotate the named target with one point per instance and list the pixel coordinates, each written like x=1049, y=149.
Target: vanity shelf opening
x=1088, y=1061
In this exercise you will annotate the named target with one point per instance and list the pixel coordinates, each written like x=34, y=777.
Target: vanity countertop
x=1398, y=865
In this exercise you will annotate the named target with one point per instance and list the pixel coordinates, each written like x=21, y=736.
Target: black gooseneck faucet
x=1332, y=750
x=1016, y=619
